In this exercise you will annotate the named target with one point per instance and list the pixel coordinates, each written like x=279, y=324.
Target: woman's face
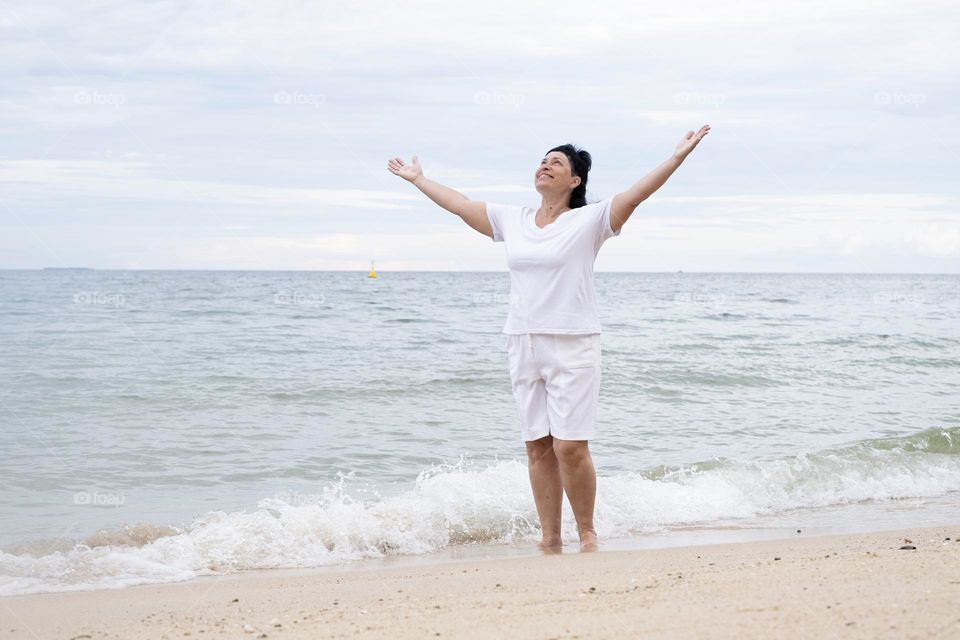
x=554, y=174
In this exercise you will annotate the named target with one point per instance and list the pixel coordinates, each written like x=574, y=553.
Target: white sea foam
x=459, y=504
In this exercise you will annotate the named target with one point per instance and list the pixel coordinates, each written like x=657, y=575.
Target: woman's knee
x=539, y=448
x=571, y=452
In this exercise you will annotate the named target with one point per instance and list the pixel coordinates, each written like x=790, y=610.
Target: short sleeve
x=495, y=214
x=604, y=230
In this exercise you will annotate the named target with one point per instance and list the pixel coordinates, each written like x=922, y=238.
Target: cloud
x=258, y=129
x=131, y=180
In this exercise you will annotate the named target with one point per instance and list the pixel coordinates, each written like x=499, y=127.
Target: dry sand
x=841, y=586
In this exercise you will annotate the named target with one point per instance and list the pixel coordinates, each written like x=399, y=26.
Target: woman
x=553, y=332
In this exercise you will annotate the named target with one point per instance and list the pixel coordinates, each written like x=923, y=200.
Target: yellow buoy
x=373, y=272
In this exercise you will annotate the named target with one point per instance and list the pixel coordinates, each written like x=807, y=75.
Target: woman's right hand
x=409, y=172
x=473, y=212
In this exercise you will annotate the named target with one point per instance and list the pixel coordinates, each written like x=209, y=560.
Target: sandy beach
x=849, y=586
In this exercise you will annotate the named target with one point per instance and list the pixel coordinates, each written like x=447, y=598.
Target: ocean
x=158, y=426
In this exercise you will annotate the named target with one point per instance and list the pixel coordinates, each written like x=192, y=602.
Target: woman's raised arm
x=472, y=212
x=624, y=203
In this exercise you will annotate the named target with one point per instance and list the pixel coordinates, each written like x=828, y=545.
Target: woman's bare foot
x=588, y=541
x=550, y=545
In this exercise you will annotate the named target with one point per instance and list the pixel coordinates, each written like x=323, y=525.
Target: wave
x=456, y=504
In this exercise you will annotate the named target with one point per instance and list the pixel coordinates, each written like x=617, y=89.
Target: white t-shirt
x=551, y=269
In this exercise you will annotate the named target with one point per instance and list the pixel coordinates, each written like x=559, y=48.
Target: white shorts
x=556, y=383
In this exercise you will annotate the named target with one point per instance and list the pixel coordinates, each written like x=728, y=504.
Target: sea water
x=158, y=426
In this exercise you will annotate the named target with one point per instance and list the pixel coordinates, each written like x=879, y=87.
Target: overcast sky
x=225, y=135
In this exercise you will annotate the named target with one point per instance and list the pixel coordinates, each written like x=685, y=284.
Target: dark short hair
x=580, y=163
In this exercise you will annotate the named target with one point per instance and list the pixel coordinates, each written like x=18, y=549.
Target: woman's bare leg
x=547, y=489
x=579, y=480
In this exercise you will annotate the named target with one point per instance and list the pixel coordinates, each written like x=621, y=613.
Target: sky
x=255, y=135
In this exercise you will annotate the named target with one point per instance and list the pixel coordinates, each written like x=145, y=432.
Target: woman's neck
x=553, y=206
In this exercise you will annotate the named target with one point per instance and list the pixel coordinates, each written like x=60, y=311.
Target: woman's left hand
x=690, y=141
